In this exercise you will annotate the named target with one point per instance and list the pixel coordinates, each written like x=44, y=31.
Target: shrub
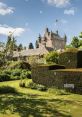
x=7, y=89
x=32, y=85
x=19, y=65
x=25, y=74
x=4, y=77
x=39, y=87
x=22, y=84
x=52, y=57
x=14, y=74
x=68, y=58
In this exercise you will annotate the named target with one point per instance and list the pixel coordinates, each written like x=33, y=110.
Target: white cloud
x=4, y=9
x=69, y=11
x=5, y=29
x=58, y=3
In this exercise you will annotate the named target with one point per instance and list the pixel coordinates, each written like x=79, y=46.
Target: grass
x=34, y=103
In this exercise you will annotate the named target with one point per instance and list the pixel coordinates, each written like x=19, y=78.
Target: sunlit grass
x=34, y=103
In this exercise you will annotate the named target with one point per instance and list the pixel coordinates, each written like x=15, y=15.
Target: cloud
x=5, y=29
x=58, y=3
x=69, y=11
x=4, y=9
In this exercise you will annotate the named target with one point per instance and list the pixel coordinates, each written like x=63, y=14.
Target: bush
x=52, y=57
x=39, y=87
x=32, y=85
x=19, y=65
x=4, y=77
x=22, y=84
x=25, y=74
x=7, y=89
x=14, y=74
x=68, y=58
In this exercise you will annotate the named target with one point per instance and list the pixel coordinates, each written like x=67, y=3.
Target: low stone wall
x=67, y=78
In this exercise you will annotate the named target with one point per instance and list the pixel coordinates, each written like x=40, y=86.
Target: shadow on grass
x=30, y=105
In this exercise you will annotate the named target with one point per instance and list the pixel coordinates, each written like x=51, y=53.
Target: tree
x=80, y=35
x=31, y=46
x=20, y=47
x=10, y=46
x=24, y=47
x=75, y=42
x=65, y=38
x=2, y=58
x=52, y=57
x=39, y=38
x=8, y=43
x=36, y=44
x=80, y=42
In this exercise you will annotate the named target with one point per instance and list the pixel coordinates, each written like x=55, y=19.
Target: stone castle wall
x=52, y=40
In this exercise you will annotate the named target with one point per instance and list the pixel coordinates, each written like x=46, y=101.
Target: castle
x=49, y=42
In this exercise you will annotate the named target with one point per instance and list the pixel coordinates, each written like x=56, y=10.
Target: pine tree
x=31, y=46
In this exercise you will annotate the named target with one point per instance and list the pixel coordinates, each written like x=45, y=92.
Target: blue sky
x=28, y=18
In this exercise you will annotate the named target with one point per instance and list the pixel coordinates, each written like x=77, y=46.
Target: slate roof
x=30, y=52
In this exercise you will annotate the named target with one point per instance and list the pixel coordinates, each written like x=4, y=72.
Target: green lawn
x=33, y=103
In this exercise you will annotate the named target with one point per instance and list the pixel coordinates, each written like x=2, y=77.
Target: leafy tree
x=80, y=41
x=10, y=46
x=80, y=35
x=31, y=46
x=2, y=58
x=2, y=44
x=52, y=57
x=14, y=45
x=8, y=43
x=68, y=46
x=75, y=42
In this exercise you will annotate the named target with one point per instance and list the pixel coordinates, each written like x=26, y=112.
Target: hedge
x=49, y=66
x=14, y=74
x=59, y=78
x=71, y=59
